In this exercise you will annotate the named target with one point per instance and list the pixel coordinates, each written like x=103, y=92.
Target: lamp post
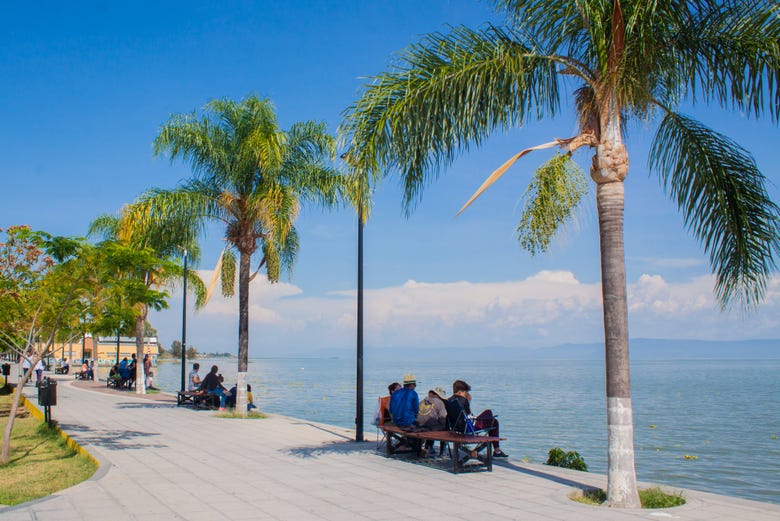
x=359, y=383
x=184, y=327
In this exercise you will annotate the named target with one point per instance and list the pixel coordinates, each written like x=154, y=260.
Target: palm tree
x=250, y=176
x=616, y=60
x=160, y=240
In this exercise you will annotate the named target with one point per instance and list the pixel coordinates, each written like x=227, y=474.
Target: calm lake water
x=726, y=413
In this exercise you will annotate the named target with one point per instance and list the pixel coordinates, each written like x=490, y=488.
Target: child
x=249, y=402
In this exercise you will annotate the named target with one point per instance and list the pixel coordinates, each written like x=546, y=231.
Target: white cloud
x=549, y=307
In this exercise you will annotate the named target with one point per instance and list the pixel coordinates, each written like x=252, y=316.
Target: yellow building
x=104, y=349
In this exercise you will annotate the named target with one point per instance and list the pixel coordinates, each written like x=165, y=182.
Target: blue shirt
x=404, y=404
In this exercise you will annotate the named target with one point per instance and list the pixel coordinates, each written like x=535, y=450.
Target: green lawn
x=41, y=462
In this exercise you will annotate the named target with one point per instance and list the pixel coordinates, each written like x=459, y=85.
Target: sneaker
x=500, y=454
x=221, y=409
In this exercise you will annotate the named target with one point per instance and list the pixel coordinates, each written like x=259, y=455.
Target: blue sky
x=86, y=86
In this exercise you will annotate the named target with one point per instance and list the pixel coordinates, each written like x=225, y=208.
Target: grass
x=40, y=463
x=649, y=497
x=252, y=415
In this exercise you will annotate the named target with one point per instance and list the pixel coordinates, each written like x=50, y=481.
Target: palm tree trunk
x=244, y=269
x=140, y=378
x=622, y=489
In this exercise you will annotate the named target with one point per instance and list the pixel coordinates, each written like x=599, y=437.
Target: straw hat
x=409, y=379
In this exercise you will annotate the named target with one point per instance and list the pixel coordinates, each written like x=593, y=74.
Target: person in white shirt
x=194, y=377
x=38, y=372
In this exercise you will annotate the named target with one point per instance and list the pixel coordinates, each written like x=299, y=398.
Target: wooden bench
x=464, y=447
x=195, y=398
x=80, y=375
x=115, y=383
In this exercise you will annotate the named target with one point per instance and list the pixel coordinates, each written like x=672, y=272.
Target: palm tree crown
x=616, y=60
x=250, y=176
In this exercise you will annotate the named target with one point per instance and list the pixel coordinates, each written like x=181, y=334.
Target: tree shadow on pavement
x=111, y=439
x=335, y=447
x=149, y=405
x=541, y=474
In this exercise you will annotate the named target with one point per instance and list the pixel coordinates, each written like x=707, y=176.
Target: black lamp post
x=184, y=327
x=359, y=384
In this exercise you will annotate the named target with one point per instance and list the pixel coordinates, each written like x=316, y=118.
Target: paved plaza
x=162, y=462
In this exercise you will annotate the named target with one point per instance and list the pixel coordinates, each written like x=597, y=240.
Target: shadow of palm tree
x=148, y=405
x=112, y=439
x=543, y=475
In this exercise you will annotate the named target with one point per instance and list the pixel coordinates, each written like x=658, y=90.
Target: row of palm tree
x=615, y=60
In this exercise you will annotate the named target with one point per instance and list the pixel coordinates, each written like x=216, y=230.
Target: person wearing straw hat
x=404, y=403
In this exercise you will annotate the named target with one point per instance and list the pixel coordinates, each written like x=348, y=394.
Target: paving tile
x=166, y=462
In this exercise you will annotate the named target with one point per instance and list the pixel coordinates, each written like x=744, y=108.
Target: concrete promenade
x=160, y=462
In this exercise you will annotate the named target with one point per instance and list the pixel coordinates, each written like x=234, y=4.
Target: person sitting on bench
x=459, y=408
x=404, y=403
x=212, y=385
x=194, y=378
x=432, y=415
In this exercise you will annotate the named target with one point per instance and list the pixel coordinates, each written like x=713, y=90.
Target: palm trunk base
x=241, y=394
x=621, y=489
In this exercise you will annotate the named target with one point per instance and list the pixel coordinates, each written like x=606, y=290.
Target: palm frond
x=722, y=195
x=447, y=93
x=104, y=226
x=729, y=52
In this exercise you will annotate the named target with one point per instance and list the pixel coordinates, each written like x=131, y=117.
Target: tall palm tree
x=164, y=240
x=250, y=176
x=616, y=60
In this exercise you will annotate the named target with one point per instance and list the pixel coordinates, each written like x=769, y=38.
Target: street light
x=184, y=327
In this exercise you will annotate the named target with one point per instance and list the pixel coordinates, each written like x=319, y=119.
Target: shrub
x=570, y=460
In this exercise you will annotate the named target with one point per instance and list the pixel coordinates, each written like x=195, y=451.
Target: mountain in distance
x=639, y=349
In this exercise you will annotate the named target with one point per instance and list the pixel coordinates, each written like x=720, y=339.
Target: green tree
x=176, y=349
x=615, y=60
x=39, y=289
x=161, y=240
x=251, y=177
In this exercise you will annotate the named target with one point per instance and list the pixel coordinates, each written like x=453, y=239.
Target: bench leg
x=456, y=457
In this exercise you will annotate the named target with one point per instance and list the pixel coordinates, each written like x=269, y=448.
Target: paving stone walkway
x=162, y=462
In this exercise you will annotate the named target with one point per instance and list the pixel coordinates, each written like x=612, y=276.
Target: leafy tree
x=152, y=270
x=39, y=288
x=176, y=349
x=251, y=177
x=615, y=60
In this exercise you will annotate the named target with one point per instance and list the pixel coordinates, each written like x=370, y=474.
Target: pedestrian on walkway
x=38, y=372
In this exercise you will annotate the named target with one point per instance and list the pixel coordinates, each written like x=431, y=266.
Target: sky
x=86, y=86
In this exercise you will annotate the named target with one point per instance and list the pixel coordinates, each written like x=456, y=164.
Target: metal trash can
x=47, y=393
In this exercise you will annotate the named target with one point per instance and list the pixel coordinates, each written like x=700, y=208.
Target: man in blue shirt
x=404, y=403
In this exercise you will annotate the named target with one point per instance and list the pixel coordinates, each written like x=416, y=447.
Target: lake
x=725, y=413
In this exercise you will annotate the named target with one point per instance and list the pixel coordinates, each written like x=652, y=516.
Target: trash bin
x=6, y=369
x=47, y=392
x=43, y=393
